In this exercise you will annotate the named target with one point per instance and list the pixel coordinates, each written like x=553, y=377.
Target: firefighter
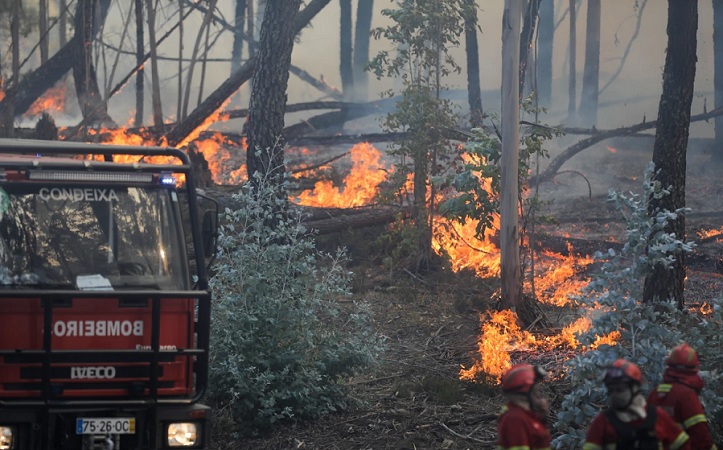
x=678, y=396
x=522, y=424
x=630, y=423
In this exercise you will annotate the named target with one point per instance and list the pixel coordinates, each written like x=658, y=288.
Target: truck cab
x=104, y=299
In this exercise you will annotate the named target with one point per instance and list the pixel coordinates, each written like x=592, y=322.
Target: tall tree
x=572, y=79
x=362, y=34
x=140, y=53
x=526, y=39
x=591, y=74
x=92, y=106
x=718, y=74
x=238, y=35
x=474, y=93
x=511, y=273
x=63, y=22
x=265, y=139
x=43, y=29
x=346, y=70
x=544, y=55
x=671, y=142
x=155, y=78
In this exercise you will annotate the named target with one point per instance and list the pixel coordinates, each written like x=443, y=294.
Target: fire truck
x=104, y=298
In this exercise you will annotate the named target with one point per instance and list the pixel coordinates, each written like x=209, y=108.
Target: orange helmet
x=521, y=377
x=622, y=371
x=683, y=357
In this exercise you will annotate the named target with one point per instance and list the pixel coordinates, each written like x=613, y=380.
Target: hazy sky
x=635, y=92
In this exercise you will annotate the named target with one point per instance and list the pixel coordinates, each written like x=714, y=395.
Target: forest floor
x=414, y=398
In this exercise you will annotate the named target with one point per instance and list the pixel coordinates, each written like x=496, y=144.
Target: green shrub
x=285, y=333
x=647, y=331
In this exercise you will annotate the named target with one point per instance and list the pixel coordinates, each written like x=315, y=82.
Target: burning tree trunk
x=509, y=189
x=473, y=82
x=591, y=75
x=92, y=106
x=671, y=140
x=544, y=57
x=266, y=143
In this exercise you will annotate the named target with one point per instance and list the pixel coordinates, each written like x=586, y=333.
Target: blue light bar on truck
x=64, y=175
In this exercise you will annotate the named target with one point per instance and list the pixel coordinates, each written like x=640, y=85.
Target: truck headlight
x=6, y=437
x=182, y=434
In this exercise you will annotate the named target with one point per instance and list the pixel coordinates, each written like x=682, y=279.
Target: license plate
x=107, y=425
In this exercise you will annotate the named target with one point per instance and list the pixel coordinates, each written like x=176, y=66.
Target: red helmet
x=521, y=377
x=683, y=357
x=622, y=371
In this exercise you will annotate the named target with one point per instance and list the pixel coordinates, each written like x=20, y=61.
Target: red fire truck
x=104, y=299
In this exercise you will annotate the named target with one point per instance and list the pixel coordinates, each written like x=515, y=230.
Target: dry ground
x=414, y=399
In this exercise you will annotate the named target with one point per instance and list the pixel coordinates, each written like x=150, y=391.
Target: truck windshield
x=91, y=237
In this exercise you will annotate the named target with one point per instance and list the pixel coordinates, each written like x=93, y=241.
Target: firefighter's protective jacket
x=678, y=396
x=602, y=436
x=520, y=429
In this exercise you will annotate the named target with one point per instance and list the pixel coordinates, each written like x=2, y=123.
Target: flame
x=53, y=100
x=500, y=335
x=218, y=116
x=360, y=186
x=612, y=149
x=224, y=166
x=703, y=234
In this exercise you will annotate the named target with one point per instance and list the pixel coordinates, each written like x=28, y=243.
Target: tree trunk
x=15, y=36
x=526, y=38
x=671, y=141
x=238, y=35
x=572, y=81
x=511, y=278
x=140, y=57
x=63, y=22
x=718, y=74
x=155, y=80
x=91, y=103
x=591, y=74
x=213, y=102
x=364, y=11
x=265, y=152
x=43, y=29
x=345, y=51
x=474, y=94
x=544, y=56
x=194, y=56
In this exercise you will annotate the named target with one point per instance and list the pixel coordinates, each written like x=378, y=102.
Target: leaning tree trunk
x=591, y=74
x=671, y=141
x=265, y=139
x=474, y=93
x=63, y=22
x=544, y=56
x=718, y=74
x=364, y=11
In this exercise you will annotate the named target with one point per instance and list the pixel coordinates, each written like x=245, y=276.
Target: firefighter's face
x=619, y=395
